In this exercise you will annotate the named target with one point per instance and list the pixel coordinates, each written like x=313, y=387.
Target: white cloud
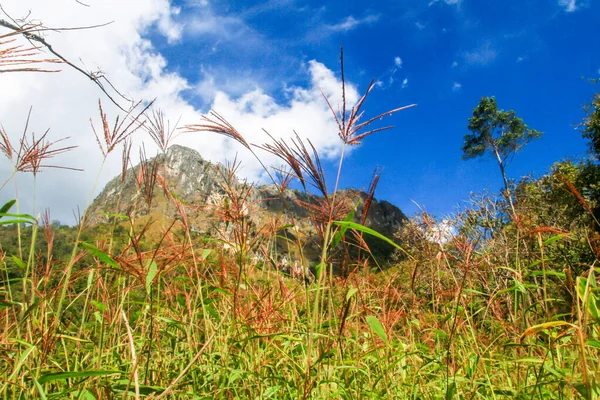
x=454, y=64
x=568, y=5
x=484, y=54
x=442, y=232
x=419, y=25
x=170, y=29
x=65, y=101
x=398, y=62
x=449, y=2
x=349, y=23
x=404, y=83
x=520, y=59
x=456, y=87
x=306, y=113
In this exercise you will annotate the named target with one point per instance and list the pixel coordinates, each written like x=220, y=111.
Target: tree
x=590, y=128
x=497, y=132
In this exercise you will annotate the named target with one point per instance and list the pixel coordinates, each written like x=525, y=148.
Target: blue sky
x=263, y=64
x=443, y=55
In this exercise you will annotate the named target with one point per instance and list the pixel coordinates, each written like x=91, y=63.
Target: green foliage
x=497, y=131
x=590, y=127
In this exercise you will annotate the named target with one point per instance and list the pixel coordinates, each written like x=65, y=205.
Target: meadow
x=503, y=305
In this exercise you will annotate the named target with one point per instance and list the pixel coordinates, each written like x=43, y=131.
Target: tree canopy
x=500, y=132
x=591, y=124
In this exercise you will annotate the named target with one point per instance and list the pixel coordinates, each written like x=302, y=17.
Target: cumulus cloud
x=65, y=101
x=456, y=87
x=404, y=83
x=398, y=62
x=306, y=113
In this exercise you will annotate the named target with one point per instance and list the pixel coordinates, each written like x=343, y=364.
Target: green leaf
x=205, y=253
x=152, y=271
x=57, y=376
x=101, y=307
x=549, y=273
x=319, y=269
x=144, y=390
x=5, y=304
x=23, y=216
x=351, y=292
x=270, y=392
x=369, y=231
x=16, y=369
x=450, y=391
x=102, y=256
x=377, y=328
x=339, y=235
x=40, y=389
x=593, y=343
x=554, y=239
x=15, y=221
x=219, y=290
x=585, y=286
x=98, y=317
x=20, y=263
x=6, y=207
x=546, y=325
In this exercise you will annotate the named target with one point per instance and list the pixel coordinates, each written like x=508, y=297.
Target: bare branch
x=31, y=33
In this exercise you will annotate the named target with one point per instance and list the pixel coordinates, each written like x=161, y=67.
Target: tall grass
x=486, y=313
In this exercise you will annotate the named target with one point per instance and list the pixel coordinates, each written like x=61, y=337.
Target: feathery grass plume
x=214, y=122
x=575, y=193
x=5, y=145
x=121, y=130
x=283, y=179
x=16, y=57
x=149, y=170
x=162, y=134
x=283, y=151
x=162, y=182
x=125, y=158
x=311, y=164
x=306, y=167
x=348, y=122
x=32, y=153
x=139, y=177
x=323, y=210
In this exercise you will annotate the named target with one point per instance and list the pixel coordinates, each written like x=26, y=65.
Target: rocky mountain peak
x=193, y=180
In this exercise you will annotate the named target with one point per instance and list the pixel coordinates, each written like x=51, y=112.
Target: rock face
x=195, y=183
x=186, y=174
